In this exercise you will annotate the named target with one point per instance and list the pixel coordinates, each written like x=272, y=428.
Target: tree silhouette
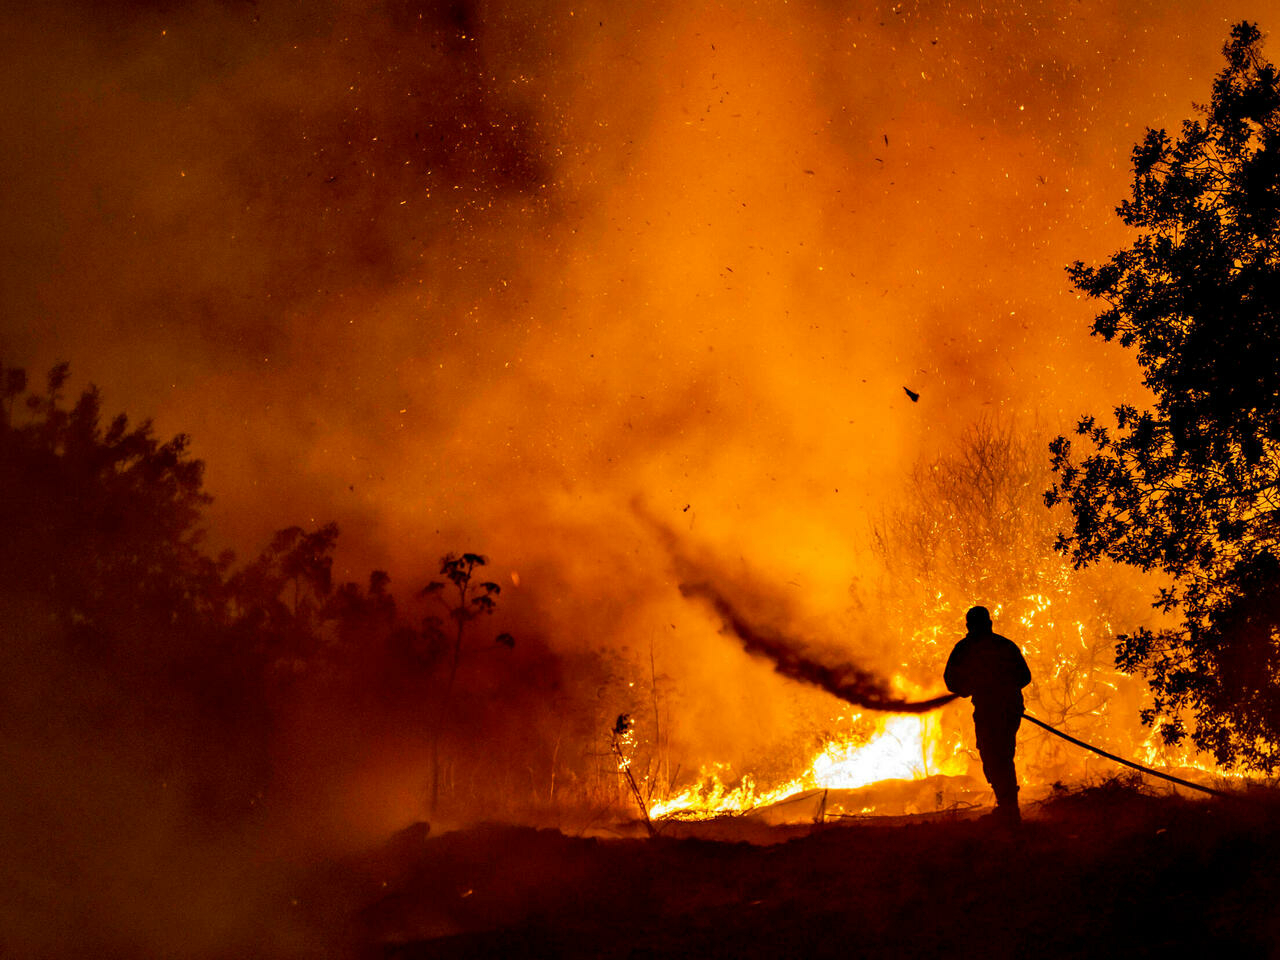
x=464, y=599
x=105, y=523
x=123, y=616
x=126, y=650
x=1191, y=487
x=281, y=598
x=472, y=600
x=358, y=612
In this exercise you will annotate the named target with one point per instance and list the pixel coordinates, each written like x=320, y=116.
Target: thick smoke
x=802, y=661
x=844, y=680
x=432, y=270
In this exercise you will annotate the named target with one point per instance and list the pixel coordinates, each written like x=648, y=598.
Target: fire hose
x=861, y=688
x=940, y=701
x=1128, y=763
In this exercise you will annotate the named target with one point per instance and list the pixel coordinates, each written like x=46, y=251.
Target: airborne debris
x=915, y=397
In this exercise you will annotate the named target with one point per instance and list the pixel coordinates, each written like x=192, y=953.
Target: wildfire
x=1155, y=753
x=901, y=748
x=1067, y=643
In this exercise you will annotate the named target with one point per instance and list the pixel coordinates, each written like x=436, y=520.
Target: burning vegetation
x=566, y=476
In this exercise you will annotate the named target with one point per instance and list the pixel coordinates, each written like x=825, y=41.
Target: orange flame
x=902, y=748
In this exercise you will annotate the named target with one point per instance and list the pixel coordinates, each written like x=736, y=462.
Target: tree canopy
x=1191, y=486
x=114, y=616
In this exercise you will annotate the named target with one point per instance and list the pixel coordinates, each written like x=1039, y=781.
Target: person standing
x=991, y=669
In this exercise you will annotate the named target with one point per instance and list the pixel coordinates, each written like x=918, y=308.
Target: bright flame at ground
x=903, y=748
x=1154, y=753
x=1074, y=682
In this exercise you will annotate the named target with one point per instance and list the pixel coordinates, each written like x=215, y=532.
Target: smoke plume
x=844, y=680
x=790, y=657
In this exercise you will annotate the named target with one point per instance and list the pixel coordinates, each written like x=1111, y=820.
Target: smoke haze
x=478, y=276
x=447, y=268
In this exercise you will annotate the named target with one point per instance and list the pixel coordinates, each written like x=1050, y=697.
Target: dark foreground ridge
x=1102, y=872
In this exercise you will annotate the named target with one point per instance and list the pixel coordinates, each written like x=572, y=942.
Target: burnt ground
x=1107, y=871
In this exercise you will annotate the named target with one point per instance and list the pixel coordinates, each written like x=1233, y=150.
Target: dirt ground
x=1105, y=871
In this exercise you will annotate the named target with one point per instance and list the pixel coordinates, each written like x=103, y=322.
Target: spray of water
x=844, y=680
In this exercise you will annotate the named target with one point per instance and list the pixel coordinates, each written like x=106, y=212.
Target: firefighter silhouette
x=990, y=669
